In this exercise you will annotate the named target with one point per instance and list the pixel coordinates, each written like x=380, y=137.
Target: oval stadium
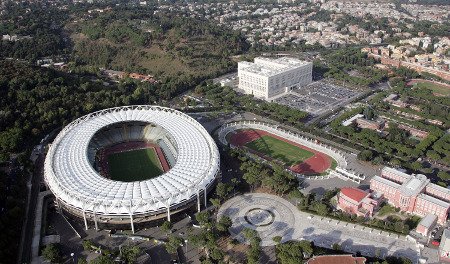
x=131, y=165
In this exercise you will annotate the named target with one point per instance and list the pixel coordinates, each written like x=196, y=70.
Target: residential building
x=414, y=193
x=357, y=201
x=369, y=124
x=266, y=78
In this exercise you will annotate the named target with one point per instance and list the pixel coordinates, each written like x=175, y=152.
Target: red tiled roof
x=354, y=193
x=333, y=259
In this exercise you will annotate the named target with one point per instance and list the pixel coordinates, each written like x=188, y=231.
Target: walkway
x=272, y=216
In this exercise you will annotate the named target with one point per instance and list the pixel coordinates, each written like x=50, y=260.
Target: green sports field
x=436, y=88
x=280, y=150
x=135, y=165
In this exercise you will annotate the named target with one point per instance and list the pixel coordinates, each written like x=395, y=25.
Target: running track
x=317, y=164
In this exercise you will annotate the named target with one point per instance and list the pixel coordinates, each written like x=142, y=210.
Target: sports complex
x=301, y=155
x=131, y=164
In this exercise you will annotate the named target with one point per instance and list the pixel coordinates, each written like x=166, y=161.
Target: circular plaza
x=268, y=214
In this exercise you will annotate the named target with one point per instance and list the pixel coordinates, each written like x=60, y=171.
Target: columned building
x=413, y=193
x=267, y=78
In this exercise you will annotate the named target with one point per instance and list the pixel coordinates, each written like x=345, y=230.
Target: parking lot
x=318, y=97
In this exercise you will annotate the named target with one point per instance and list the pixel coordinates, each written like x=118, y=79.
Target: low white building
x=266, y=78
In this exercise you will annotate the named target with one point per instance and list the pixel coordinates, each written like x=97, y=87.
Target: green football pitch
x=280, y=150
x=134, y=165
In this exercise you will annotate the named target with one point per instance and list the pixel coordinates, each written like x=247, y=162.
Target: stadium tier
x=72, y=173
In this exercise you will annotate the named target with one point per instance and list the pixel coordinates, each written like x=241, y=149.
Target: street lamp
x=71, y=255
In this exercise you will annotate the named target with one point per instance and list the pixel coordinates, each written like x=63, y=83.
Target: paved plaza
x=273, y=216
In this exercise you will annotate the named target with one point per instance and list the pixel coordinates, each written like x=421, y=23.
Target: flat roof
x=414, y=185
x=270, y=67
x=434, y=200
x=386, y=181
x=428, y=220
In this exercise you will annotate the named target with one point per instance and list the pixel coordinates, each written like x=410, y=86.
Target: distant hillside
x=164, y=45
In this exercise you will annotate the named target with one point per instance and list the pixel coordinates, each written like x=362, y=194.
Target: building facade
x=359, y=202
x=266, y=78
x=413, y=193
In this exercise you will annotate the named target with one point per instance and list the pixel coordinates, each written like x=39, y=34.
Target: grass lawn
x=387, y=210
x=135, y=165
x=436, y=88
x=280, y=150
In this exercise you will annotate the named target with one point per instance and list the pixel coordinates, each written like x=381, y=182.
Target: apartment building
x=267, y=78
x=413, y=193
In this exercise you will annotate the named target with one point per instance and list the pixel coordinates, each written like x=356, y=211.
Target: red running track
x=317, y=164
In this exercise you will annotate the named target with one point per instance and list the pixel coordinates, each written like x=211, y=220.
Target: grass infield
x=134, y=165
x=436, y=88
x=280, y=150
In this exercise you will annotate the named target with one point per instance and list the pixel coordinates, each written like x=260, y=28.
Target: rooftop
x=354, y=193
x=414, y=185
x=428, y=220
x=270, y=67
x=434, y=200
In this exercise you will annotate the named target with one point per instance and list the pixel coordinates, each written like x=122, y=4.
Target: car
x=435, y=243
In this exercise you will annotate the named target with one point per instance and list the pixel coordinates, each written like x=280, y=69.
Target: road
x=27, y=232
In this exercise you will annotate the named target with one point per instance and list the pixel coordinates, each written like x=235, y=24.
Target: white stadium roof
x=73, y=180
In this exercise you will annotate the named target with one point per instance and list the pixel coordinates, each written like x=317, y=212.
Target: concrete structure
x=412, y=193
x=81, y=191
x=444, y=247
x=426, y=225
x=357, y=201
x=267, y=78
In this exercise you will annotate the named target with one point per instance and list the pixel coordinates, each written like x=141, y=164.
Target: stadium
x=131, y=165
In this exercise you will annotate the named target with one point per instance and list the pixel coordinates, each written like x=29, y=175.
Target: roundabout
x=269, y=215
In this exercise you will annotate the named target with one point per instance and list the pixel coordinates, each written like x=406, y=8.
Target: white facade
x=266, y=78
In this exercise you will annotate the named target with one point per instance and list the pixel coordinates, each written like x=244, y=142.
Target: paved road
x=27, y=238
x=250, y=210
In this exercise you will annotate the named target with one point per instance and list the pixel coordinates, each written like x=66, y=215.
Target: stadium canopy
x=74, y=181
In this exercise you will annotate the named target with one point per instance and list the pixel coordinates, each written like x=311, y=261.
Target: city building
x=357, y=201
x=369, y=124
x=444, y=247
x=413, y=193
x=426, y=224
x=333, y=259
x=267, y=78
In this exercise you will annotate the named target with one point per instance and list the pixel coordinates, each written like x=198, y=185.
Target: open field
x=433, y=86
x=135, y=165
x=280, y=150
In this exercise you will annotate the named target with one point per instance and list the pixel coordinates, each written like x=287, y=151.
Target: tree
x=321, y=208
x=224, y=224
x=336, y=247
x=51, y=253
x=277, y=239
x=87, y=244
x=202, y=217
x=102, y=259
x=130, y=253
x=166, y=227
x=173, y=244
x=365, y=155
x=222, y=190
